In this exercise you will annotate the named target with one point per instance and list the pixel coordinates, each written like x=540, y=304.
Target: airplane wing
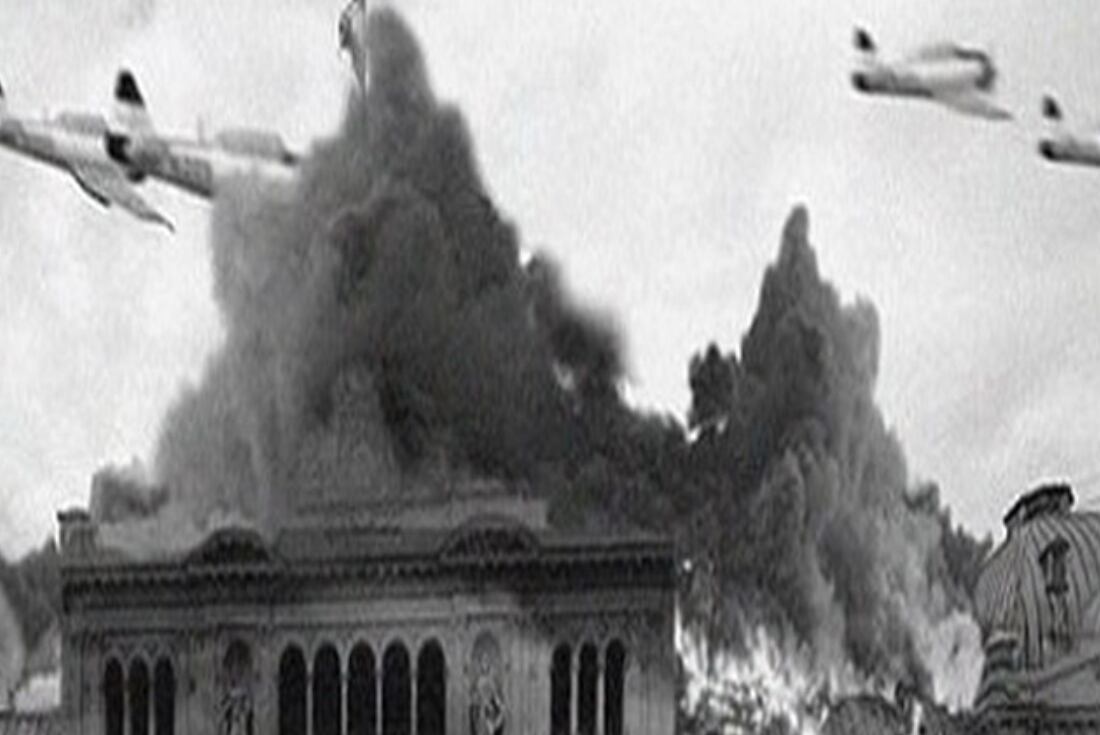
x=108, y=185
x=970, y=103
x=933, y=52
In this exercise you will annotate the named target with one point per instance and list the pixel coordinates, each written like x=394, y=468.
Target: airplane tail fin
x=864, y=44
x=1052, y=111
x=130, y=115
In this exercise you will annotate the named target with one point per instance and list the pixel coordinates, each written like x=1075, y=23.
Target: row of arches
x=378, y=700
x=127, y=699
x=586, y=697
x=372, y=697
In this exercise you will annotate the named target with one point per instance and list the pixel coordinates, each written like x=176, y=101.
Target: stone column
x=378, y=695
x=309, y=698
x=126, y=728
x=343, y=700
x=413, y=703
x=600, y=694
x=632, y=695
x=574, y=688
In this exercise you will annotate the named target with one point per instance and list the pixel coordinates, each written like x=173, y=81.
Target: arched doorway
x=326, y=691
x=362, y=694
x=561, y=690
x=396, y=691
x=431, y=690
x=587, y=680
x=613, y=673
x=139, y=697
x=164, y=698
x=114, y=700
x=292, y=692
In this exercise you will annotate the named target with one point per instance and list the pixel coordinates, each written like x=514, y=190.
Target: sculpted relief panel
x=488, y=711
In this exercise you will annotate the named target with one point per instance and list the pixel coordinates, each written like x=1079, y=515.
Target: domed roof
x=1012, y=593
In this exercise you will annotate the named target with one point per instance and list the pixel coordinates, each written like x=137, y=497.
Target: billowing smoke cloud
x=384, y=290
x=30, y=600
x=122, y=493
x=383, y=335
x=806, y=520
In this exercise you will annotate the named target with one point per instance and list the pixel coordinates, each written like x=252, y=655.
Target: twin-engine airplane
x=1064, y=145
x=77, y=143
x=198, y=166
x=960, y=78
x=108, y=157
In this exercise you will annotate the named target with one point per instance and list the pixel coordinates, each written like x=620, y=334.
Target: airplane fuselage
x=922, y=79
x=200, y=168
x=62, y=142
x=1071, y=149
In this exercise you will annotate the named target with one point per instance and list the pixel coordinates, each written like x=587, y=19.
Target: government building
x=1038, y=603
x=464, y=614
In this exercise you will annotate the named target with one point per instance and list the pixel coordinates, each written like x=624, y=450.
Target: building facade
x=471, y=616
x=1038, y=603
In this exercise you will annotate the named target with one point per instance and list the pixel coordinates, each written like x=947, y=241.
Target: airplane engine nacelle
x=118, y=147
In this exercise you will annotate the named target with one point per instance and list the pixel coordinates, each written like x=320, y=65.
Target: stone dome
x=1041, y=585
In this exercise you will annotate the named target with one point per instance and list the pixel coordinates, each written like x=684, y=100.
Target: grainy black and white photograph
x=482, y=367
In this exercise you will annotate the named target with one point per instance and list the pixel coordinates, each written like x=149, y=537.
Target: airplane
x=353, y=37
x=1067, y=146
x=196, y=165
x=75, y=142
x=955, y=76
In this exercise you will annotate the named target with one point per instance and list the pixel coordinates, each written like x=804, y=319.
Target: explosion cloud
x=384, y=336
x=821, y=537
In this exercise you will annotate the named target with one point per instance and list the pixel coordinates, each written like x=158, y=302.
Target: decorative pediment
x=231, y=546
x=488, y=539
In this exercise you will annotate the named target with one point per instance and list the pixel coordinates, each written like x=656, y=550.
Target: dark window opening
x=431, y=690
x=292, y=692
x=587, y=679
x=164, y=698
x=561, y=691
x=326, y=692
x=614, y=668
x=396, y=691
x=362, y=692
x=113, y=698
x=139, y=698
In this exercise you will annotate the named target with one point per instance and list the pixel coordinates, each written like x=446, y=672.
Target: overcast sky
x=654, y=148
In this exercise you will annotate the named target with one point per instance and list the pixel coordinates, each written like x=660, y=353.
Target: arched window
x=292, y=692
x=431, y=690
x=326, y=691
x=561, y=690
x=396, y=691
x=613, y=670
x=139, y=697
x=362, y=691
x=113, y=699
x=164, y=698
x=587, y=679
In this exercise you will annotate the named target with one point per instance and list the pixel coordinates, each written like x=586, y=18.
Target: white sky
x=654, y=148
